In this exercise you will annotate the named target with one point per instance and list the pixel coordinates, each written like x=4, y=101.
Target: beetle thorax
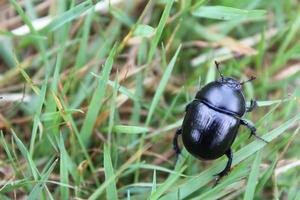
x=224, y=95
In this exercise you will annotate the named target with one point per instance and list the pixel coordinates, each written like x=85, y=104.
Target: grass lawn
x=92, y=93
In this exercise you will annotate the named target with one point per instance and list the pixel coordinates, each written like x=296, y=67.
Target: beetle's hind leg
x=253, y=105
x=175, y=142
x=252, y=129
x=227, y=168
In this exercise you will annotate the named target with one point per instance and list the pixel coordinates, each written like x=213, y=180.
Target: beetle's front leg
x=252, y=129
x=252, y=106
x=175, y=142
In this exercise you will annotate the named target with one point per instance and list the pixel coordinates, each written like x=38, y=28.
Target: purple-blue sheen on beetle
x=212, y=120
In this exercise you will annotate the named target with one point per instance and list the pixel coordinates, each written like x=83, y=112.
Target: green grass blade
x=69, y=120
x=25, y=18
x=252, y=180
x=112, y=111
x=226, y=13
x=95, y=195
x=6, y=51
x=144, y=30
x=64, y=175
x=121, y=16
x=67, y=16
x=153, y=189
x=8, y=153
x=266, y=176
x=127, y=92
x=166, y=185
x=159, y=30
x=111, y=190
x=81, y=56
x=37, y=189
x=96, y=102
x=156, y=168
x=157, y=95
x=162, y=84
x=288, y=38
x=272, y=102
x=130, y=129
x=211, y=74
x=36, y=118
x=27, y=156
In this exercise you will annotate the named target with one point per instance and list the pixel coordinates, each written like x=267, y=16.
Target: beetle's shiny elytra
x=212, y=120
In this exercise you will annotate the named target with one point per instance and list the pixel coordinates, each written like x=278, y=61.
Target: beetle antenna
x=251, y=79
x=217, y=65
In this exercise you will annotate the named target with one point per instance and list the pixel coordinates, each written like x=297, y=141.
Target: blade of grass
x=211, y=74
x=110, y=37
x=112, y=111
x=64, y=175
x=26, y=77
x=37, y=189
x=111, y=190
x=36, y=118
x=130, y=129
x=8, y=153
x=272, y=102
x=156, y=168
x=266, y=176
x=120, y=88
x=121, y=16
x=67, y=16
x=27, y=156
x=144, y=30
x=159, y=91
x=288, y=38
x=95, y=195
x=6, y=51
x=162, y=84
x=97, y=98
x=159, y=30
x=226, y=13
x=42, y=49
x=81, y=55
x=40, y=43
x=72, y=125
x=223, y=188
x=153, y=189
x=252, y=180
x=165, y=186
x=30, y=9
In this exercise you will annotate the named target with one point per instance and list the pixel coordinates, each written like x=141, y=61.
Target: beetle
x=212, y=120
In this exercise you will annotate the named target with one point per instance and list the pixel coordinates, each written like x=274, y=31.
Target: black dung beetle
x=212, y=120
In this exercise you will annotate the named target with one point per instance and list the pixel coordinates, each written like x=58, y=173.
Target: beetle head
x=231, y=82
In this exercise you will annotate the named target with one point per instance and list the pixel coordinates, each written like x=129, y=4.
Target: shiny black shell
x=221, y=96
x=212, y=120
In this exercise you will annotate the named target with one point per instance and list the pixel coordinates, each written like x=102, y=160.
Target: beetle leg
x=252, y=129
x=252, y=106
x=175, y=142
x=227, y=168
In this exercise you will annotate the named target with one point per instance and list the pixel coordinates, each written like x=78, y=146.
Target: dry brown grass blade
x=287, y=72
